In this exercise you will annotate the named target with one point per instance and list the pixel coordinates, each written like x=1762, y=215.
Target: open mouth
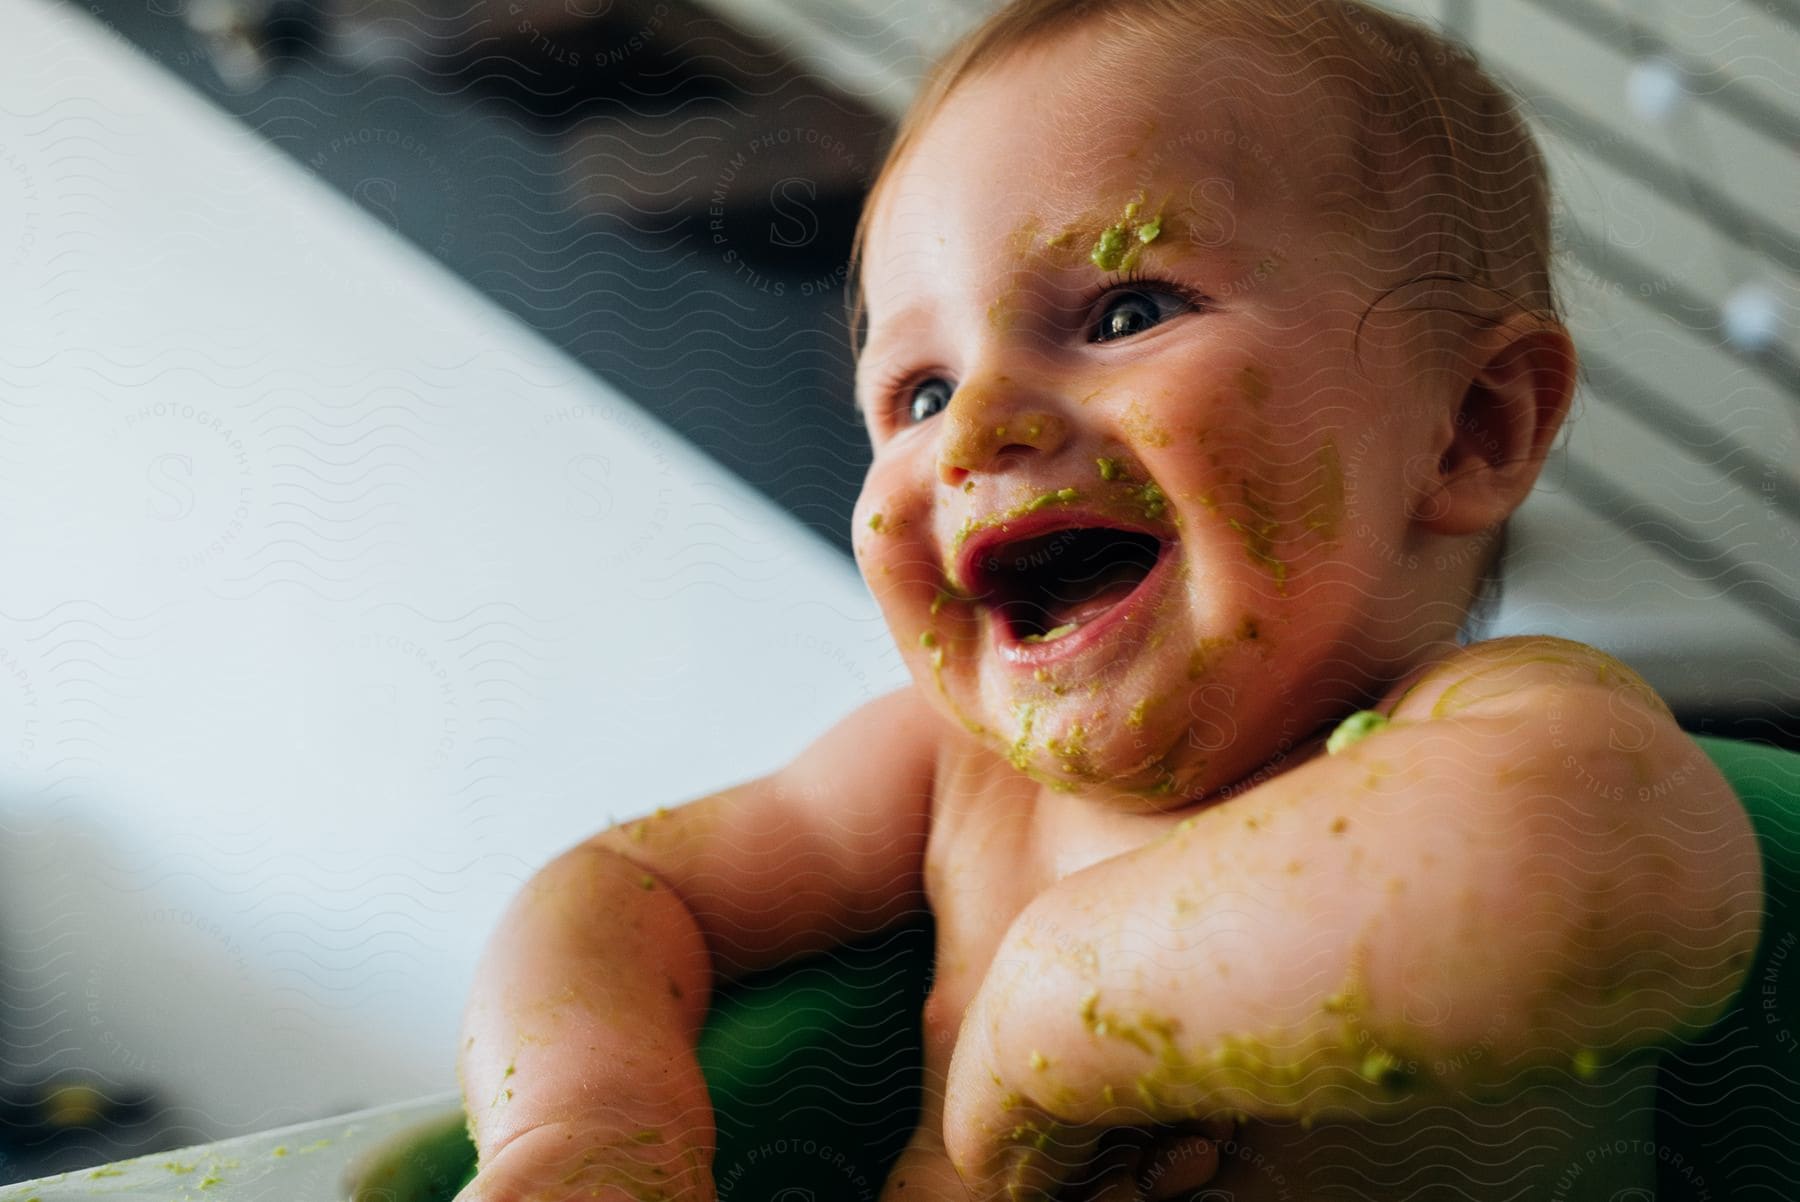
x=1047, y=587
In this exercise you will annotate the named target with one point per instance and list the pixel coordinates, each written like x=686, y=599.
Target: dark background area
x=473, y=156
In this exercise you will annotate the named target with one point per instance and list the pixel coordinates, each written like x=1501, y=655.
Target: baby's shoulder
x=895, y=737
x=1500, y=670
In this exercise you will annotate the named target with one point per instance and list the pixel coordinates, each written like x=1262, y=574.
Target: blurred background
x=419, y=418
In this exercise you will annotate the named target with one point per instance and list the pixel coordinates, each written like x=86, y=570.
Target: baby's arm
x=578, y=1061
x=1531, y=868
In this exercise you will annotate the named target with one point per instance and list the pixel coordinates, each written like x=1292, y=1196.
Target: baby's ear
x=1518, y=390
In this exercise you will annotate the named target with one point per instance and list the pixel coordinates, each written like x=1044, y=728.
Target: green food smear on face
x=1109, y=252
x=927, y=639
x=1326, y=512
x=1061, y=496
x=877, y=523
x=1148, y=495
x=1259, y=545
x=1020, y=751
x=1119, y=244
x=1071, y=752
x=1354, y=729
x=1257, y=385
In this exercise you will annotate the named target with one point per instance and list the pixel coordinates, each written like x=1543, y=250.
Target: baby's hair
x=1439, y=145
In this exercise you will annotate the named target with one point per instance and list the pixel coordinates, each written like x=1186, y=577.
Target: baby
x=1210, y=344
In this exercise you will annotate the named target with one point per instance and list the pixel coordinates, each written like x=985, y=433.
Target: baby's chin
x=1157, y=755
x=1127, y=755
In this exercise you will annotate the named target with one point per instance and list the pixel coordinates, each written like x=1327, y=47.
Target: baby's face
x=1138, y=515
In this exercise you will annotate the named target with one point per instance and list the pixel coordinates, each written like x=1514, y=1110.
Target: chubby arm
x=577, y=1062
x=1530, y=868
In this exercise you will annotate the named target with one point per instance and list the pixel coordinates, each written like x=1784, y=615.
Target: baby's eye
x=1128, y=313
x=929, y=396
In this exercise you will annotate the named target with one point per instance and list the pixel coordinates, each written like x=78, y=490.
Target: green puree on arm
x=1354, y=729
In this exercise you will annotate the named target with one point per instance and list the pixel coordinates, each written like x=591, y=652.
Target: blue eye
x=1128, y=313
x=929, y=396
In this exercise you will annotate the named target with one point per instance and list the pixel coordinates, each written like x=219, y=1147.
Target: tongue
x=1080, y=613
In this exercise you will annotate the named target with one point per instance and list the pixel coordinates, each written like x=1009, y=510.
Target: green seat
x=815, y=1072
x=1728, y=1101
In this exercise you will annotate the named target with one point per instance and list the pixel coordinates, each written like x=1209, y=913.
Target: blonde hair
x=1431, y=127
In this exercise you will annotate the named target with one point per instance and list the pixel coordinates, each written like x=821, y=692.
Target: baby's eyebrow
x=881, y=338
x=1061, y=256
x=1167, y=221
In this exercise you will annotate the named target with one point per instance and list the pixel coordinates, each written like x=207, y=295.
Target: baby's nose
x=981, y=431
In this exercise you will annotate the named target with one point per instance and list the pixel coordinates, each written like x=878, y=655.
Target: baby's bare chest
x=978, y=876
x=979, y=873
x=997, y=843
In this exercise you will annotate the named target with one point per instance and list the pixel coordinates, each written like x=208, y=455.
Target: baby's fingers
x=1177, y=1164
x=1045, y=1165
x=1112, y=1176
x=564, y=1163
x=1177, y=1168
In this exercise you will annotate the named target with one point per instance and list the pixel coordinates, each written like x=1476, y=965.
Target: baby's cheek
x=886, y=517
x=1276, y=490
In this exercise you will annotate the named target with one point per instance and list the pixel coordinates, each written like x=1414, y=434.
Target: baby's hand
x=1163, y=1164
x=1002, y=1131
x=564, y=1162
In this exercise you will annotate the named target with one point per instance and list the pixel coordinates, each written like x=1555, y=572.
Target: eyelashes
x=893, y=390
x=1124, y=304
x=1132, y=281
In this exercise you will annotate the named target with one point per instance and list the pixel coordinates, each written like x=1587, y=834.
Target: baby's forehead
x=1259, y=114
x=1027, y=163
